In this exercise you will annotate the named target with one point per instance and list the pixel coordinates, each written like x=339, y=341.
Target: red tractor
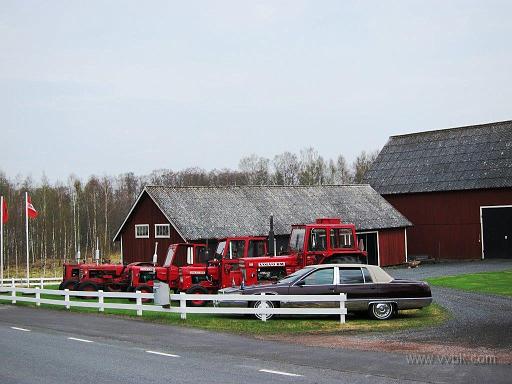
x=325, y=241
x=179, y=255
x=70, y=276
x=223, y=270
x=328, y=240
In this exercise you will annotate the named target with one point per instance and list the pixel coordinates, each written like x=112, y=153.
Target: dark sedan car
x=368, y=288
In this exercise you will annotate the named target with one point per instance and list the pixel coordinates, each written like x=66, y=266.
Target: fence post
x=42, y=282
x=342, y=308
x=13, y=294
x=263, y=315
x=38, y=297
x=183, y=306
x=100, y=300
x=139, y=303
x=12, y=281
x=66, y=298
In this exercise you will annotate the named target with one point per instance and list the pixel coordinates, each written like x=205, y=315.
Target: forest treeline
x=77, y=212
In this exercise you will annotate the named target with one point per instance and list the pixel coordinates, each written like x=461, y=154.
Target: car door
x=318, y=282
x=357, y=284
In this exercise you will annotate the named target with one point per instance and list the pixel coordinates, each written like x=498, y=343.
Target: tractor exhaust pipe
x=155, y=256
x=97, y=253
x=271, y=239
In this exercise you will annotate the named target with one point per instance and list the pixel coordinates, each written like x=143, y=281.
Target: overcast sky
x=92, y=87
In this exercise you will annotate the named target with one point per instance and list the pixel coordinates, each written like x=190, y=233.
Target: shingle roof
x=216, y=212
x=474, y=157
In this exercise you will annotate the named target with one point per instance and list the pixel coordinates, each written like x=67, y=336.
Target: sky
x=108, y=87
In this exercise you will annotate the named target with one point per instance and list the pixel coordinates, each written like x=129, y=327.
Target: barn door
x=370, y=246
x=497, y=232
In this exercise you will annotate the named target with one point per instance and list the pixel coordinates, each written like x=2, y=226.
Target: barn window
x=162, y=230
x=142, y=231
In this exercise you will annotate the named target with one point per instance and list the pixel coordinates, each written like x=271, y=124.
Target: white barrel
x=162, y=293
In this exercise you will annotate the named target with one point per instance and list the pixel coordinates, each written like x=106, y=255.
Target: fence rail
x=34, y=281
x=10, y=293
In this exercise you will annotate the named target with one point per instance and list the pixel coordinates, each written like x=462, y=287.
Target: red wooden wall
x=146, y=212
x=447, y=224
x=392, y=246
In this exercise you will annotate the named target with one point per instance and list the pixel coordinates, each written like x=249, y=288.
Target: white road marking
x=82, y=340
x=280, y=373
x=162, y=354
x=20, y=329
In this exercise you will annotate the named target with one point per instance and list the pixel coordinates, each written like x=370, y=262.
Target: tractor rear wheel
x=114, y=288
x=143, y=288
x=88, y=286
x=197, y=290
x=68, y=284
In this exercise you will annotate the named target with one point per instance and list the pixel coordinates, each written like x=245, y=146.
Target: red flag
x=5, y=214
x=31, y=211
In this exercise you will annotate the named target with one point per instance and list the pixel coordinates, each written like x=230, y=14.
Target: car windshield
x=297, y=239
x=295, y=275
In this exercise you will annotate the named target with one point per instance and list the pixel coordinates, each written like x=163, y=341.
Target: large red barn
x=455, y=186
x=206, y=214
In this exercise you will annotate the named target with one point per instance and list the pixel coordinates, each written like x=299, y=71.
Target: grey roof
x=475, y=157
x=216, y=212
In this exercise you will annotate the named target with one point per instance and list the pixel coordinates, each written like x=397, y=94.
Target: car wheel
x=382, y=311
x=197, y=290
x=263, y=304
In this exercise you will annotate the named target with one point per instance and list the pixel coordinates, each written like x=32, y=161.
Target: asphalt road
x=45, y=346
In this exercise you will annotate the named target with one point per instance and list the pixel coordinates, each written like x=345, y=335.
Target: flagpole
x=1, y=240
x=26, y=233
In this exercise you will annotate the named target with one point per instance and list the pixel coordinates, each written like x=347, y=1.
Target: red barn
x=455, y=186
x=199, y=214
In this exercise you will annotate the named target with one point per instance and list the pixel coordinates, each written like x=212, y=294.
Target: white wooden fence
x=11, y=294
x=33, y=281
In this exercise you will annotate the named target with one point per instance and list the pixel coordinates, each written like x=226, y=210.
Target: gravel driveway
x=481, y=323
x=452, y=268
x=478, y=319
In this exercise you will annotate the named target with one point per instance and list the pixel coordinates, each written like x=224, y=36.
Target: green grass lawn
x=429, y=316
x=498, y=283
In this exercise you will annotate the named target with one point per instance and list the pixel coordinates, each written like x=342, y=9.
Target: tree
x=286, y=169
x=362, y=164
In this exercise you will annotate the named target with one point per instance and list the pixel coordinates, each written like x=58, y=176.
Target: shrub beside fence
x=11, y=294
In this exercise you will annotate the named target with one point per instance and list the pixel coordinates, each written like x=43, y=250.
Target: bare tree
x=362, y=164
x=286, y=169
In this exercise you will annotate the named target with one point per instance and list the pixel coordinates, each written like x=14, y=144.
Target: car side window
x=322, y=276
x=351, y=276
x=367, y=276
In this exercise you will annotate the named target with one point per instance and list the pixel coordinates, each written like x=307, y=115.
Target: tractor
x=328, y=240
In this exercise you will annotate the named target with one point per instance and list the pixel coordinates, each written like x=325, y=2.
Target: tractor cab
x=327, y=240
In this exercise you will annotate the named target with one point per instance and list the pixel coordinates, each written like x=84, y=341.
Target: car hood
x=252, y=289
